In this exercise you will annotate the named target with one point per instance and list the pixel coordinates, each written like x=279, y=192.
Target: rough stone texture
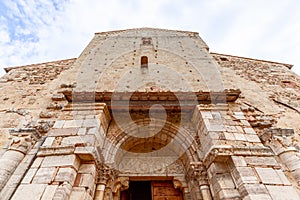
x=29, y=191
x=229, y=128
x=65, y=160
x=49, y=192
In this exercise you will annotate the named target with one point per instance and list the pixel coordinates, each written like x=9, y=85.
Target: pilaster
x=23, y=146
x=239, y=165
x=67, y=161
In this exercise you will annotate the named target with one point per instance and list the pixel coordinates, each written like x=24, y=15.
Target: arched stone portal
x=153, y=150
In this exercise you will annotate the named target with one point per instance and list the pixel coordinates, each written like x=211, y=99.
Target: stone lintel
x=228, y=95
x=89, y=153
x=222, y=152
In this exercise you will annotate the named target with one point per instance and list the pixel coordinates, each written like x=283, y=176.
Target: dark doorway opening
x=151, y=190
x=138, y=190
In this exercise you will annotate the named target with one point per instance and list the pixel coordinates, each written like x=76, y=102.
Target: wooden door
x=155, y=190
x=164, y=190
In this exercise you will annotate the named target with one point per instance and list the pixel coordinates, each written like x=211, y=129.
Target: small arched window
x=144, y=62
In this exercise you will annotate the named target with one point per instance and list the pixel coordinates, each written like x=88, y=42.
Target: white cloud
x=48, y=30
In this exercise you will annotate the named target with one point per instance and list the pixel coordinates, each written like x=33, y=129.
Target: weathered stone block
x=66, y=174
x=249, y=131
x=252, y=189
x=73, y=123
x=282, y=192
x=282, y=176
x=257, y=197
x=215, y=127
x=63, y=132
x=87, y=169
x=240, y=129
x=213, y=135
x=44, y=175
x=239, y=161
x=239, y=117
x=60, y=161
x=252, y=138
x=217, y=168
x=240, y=137
x=87, y=153
x=229, y=194
x=81, y=131
x=244, y=175
x=62, y=192
x=229, y=136
x=245, y=123
x=29, y=175
x=29, y=191
x=222, y=181
x=296, y=175
x=48, y=141
x=59, y=124
x=261, y=161
x=37, y=162
x=231, y=129
x=206, y=115
x=83, y=140
x=268, y=175
x=87, y=180
x=49, y=192
x=79, y=193
x=91, y=123
x=216, y=115
x=99, y=136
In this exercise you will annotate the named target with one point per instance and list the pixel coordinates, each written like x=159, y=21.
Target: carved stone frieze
x=151, y=165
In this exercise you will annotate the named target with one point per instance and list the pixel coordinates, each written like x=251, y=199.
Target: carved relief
x=23, y=139
x=198, y=172
x=105, y=174
x=153, y=165
x=120, y=184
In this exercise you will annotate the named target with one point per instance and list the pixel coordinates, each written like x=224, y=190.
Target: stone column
x=22, y=140
x=120, y=184
x=281, y=142
x=105, y=175
x=199, y=174
x=65, y=166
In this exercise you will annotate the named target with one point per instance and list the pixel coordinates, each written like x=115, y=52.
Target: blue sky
x=33, y=31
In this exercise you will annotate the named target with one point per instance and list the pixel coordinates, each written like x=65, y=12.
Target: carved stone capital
x=120, y=184
x=283, y=136
x=198, y=172
x=105, y=174
x=179, y=182
x=22, y=140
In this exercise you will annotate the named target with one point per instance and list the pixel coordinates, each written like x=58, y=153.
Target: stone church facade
x=150, y=114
